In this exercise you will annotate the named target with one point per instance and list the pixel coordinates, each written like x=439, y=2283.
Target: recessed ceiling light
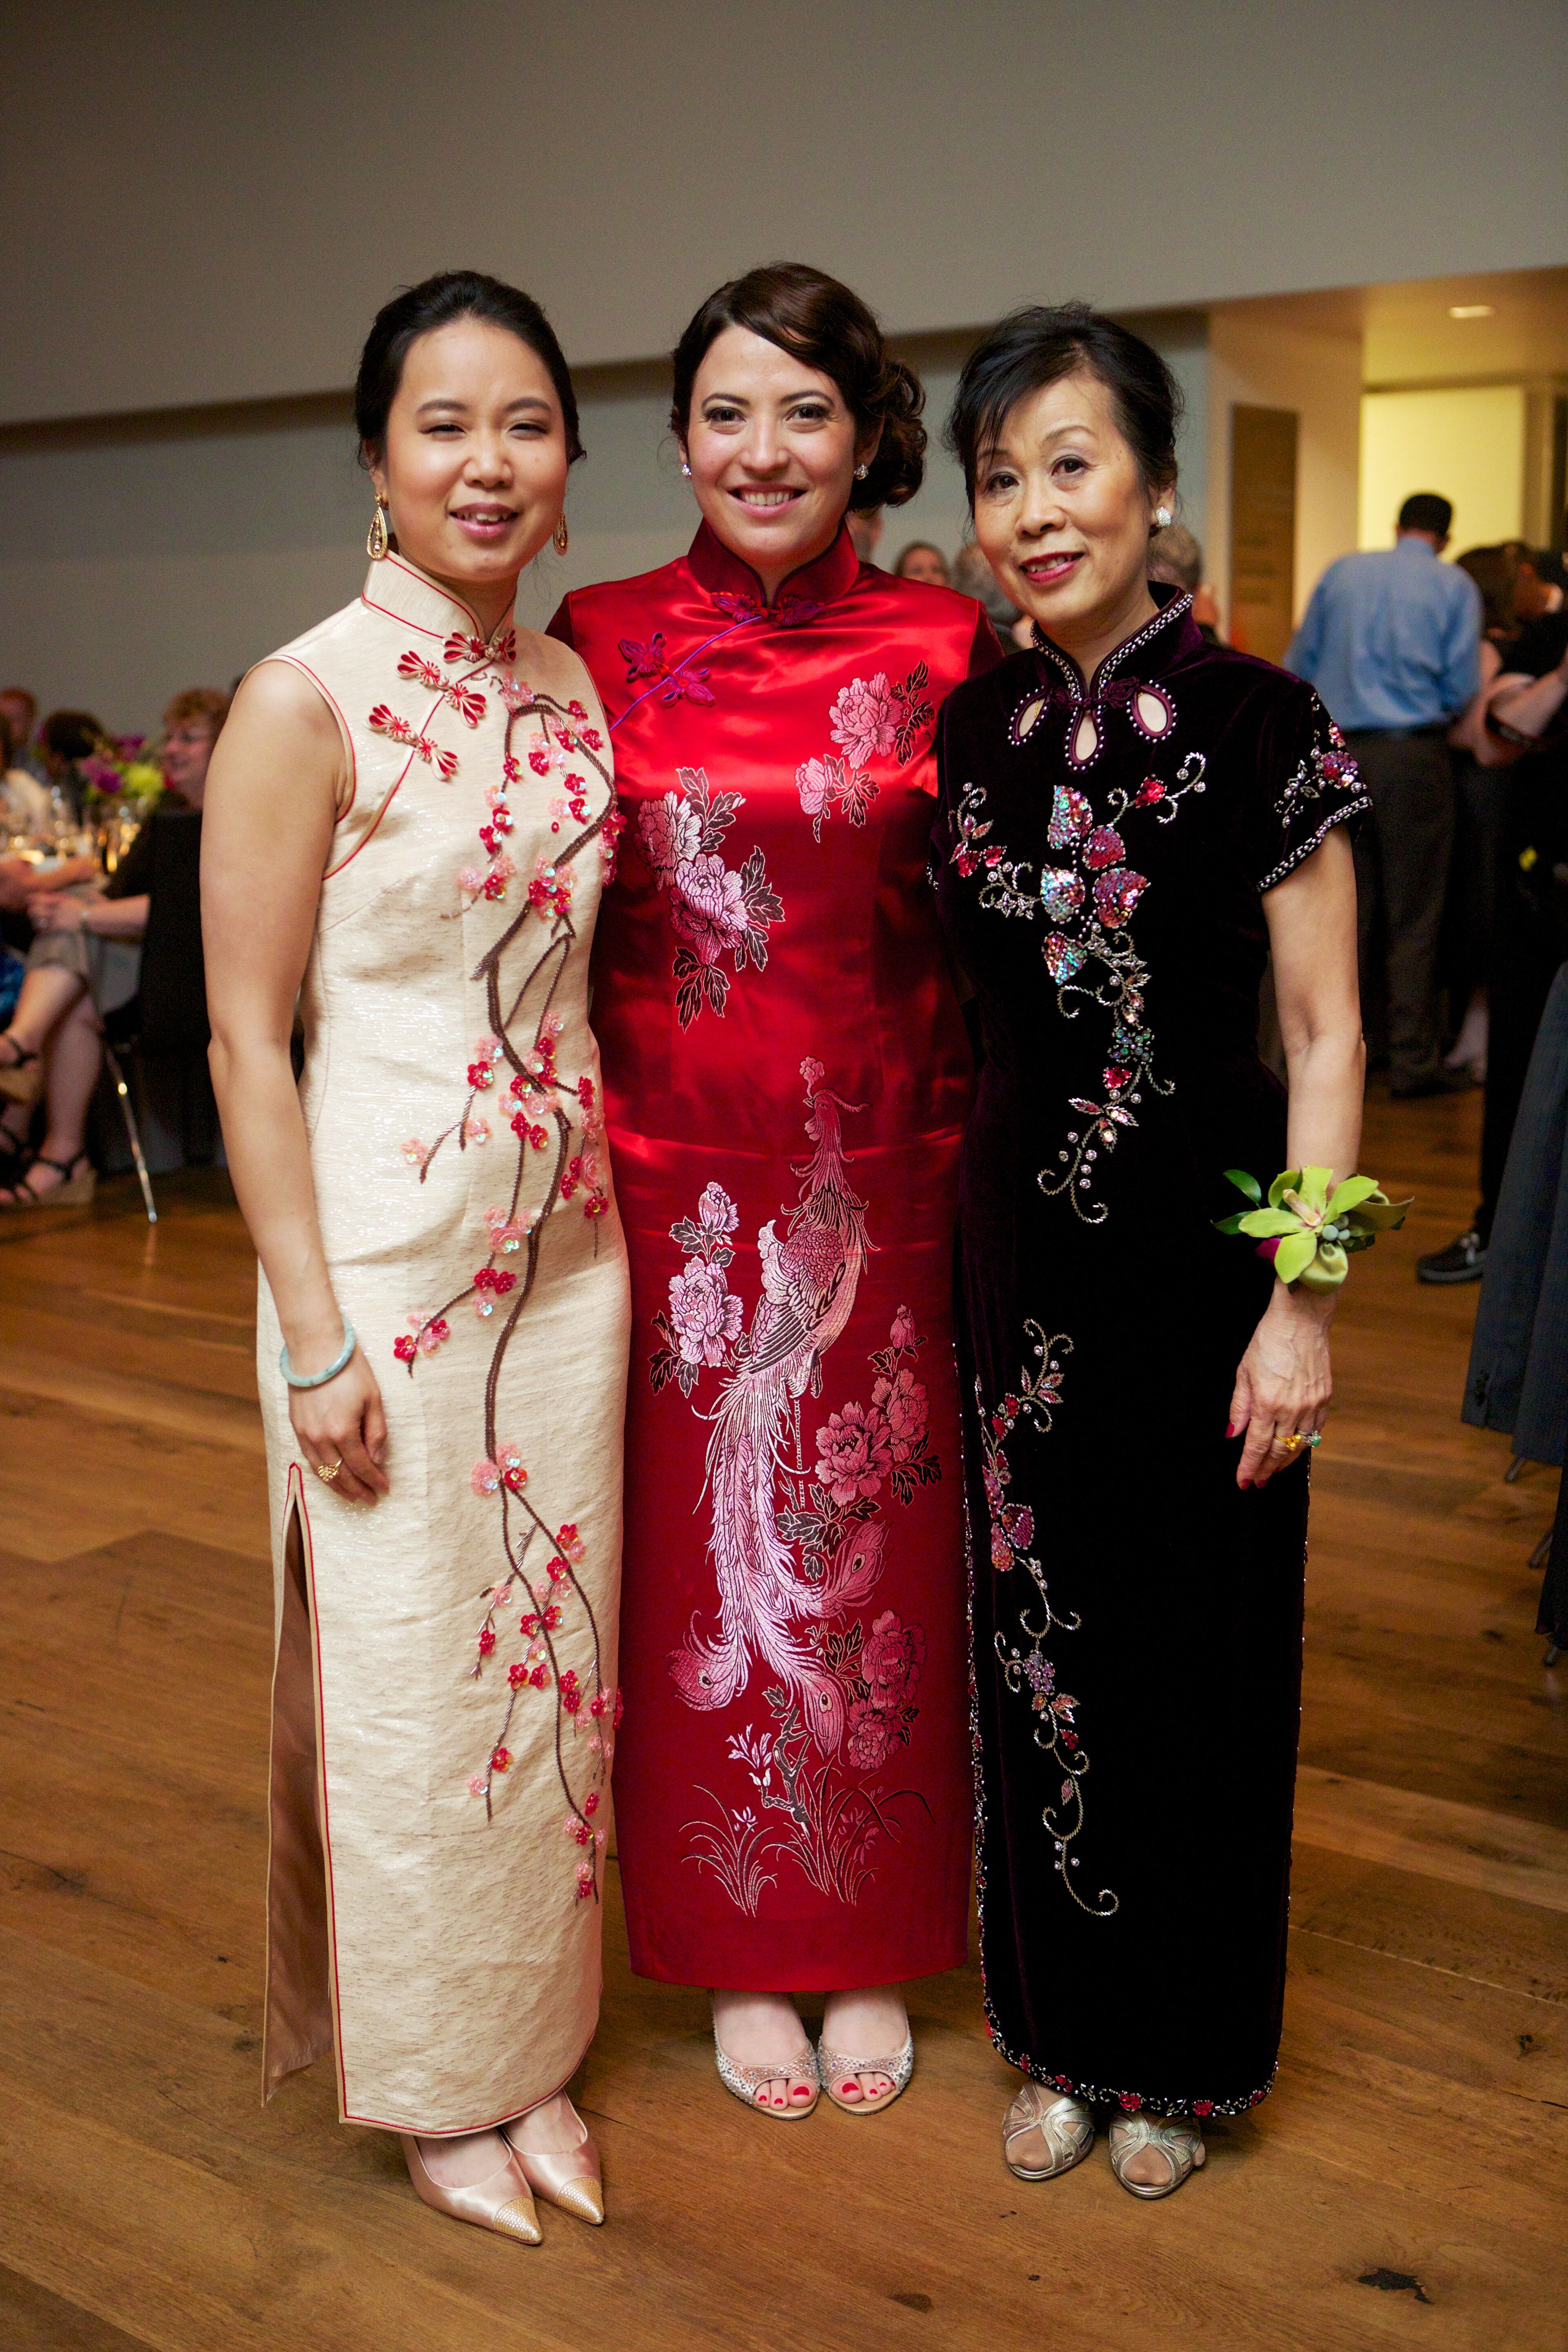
x=1469, y=310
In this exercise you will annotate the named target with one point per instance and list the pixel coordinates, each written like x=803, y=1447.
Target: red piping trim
x=328, y=696
x=409, y=572
x=294, y=1500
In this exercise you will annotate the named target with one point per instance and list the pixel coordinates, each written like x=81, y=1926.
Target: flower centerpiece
x=118, y=768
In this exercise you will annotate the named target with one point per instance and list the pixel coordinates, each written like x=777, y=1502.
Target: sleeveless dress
x=444, y=1694
x=1102, y=853
x=786, y=1082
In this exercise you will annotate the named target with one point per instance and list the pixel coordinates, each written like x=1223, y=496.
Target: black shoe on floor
x=1464, y=1260
x=1439, y=1082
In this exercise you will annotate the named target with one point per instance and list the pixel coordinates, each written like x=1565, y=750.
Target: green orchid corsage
x=1307, y=1231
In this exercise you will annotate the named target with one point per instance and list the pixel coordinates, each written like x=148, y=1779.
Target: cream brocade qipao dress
x=445, y=1694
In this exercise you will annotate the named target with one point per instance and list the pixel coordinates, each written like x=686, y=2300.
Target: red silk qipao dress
x=786, y=1081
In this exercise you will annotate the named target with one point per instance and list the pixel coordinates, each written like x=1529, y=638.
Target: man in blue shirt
x=1391, y=642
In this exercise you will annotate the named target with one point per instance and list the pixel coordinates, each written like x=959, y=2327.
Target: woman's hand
x=48, y=911
x=345, y=1423
x=1284, y=1383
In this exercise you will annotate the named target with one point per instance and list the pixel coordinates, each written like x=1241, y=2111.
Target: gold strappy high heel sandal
x=574, y=2182
x=1181, y=2145
x=1064, y=2123
x=503, y=2201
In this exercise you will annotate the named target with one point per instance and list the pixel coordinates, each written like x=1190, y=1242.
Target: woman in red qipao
x=786, y=1083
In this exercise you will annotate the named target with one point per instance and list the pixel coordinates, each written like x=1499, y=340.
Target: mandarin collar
x=733, y=584
x=1159, y=642
x=399, y=589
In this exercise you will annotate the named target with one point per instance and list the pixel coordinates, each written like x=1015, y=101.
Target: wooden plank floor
x=1407, y=2184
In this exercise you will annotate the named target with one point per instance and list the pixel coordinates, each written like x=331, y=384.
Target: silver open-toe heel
x=1181, y=2145
x=746, y=2082
x=832, y=2070
x=1064, y=2123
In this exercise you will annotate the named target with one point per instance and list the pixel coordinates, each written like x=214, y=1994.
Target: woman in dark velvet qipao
x=1129, y=819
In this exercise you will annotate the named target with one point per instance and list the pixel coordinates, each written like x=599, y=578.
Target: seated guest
x=921, y=560
x=20, y=710
x=72, y=978
x=1176, y=558
x=66, y=738
x=25, y=806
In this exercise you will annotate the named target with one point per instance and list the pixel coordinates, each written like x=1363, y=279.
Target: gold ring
x=1292, y=1443
x=326, y=1471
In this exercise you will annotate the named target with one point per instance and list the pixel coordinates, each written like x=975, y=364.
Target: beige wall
x=1466, y=444
x=206, y=203
x=1264, y=366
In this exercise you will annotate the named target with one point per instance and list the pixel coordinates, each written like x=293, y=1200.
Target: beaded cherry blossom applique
x=556, y=1119
x=1029, y=1673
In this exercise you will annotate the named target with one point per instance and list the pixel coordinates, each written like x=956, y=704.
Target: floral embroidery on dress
x=652, y=661
x=549, y=1112
x=869, y=721
x=797, y=1547
x=1088, y=902
x=716, y=910
x=1328, y=774
x=1149, y=708
x=1029, y=1672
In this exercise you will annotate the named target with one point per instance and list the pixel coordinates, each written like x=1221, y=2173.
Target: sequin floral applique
x=716, y=910
x=1029, y=1673
x=798, y=1545
x=869, y=721
x=1088, y=901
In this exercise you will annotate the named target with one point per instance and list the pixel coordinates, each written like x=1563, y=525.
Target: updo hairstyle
x=1037, y=346
x=438, y=301
x=821, y=323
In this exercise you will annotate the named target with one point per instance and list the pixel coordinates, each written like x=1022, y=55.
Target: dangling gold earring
x=380, y=539
x=562, y=537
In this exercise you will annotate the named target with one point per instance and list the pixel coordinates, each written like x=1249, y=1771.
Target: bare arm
x=104, y=918
x=277, y=779
x=1468, y=732
x=1284, y=1380
x=1527, y=706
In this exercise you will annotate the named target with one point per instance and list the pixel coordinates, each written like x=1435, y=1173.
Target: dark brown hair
x=1034, y=347
x=438, y=301
x=824, y=326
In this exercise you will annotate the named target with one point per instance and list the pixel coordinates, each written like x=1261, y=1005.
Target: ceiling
x=1408, y=334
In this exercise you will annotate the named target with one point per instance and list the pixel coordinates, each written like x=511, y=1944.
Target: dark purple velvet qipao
x=1100, y=858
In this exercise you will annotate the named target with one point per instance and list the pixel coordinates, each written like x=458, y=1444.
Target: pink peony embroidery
x=891, y=1661
x=854, y=1452
x=716, y=1210
x=865, y=719
x=708, y=906
x=671, y=833
x=705, y=1313
x=903, y=1404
